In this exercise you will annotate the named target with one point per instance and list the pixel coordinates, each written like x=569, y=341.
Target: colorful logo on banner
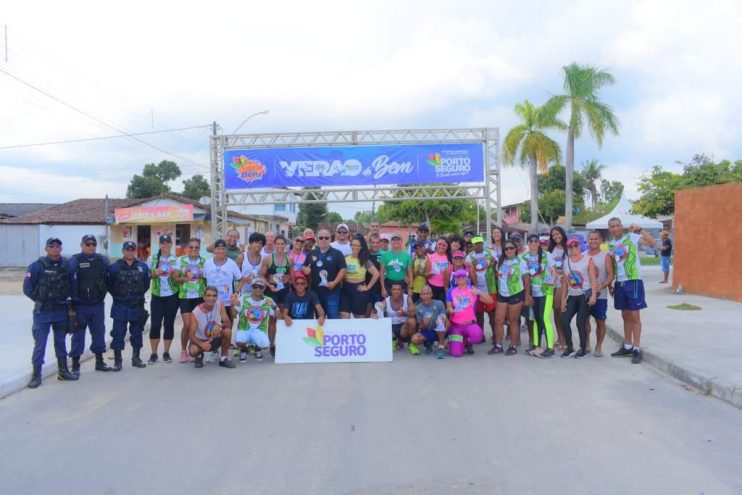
x=335, y=345
x=353, y=165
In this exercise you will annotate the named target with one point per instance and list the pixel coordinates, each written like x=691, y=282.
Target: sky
x=89, y=70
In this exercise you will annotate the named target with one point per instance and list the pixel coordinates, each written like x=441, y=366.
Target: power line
x=99, y=121
x=82, y=140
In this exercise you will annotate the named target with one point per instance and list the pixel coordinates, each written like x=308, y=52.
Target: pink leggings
x=461, y=334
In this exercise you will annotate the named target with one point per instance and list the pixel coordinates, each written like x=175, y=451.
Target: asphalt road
x=478, y=424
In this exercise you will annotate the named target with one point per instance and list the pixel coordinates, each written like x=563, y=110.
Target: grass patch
x=685, y=307
x=650, y=260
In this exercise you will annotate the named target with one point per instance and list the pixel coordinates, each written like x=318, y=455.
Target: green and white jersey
x=510, y=277
x=194, y=288
x=255, y=314
x=625, y=254
x=540, y=273
x=164, y=285
x=484, y=265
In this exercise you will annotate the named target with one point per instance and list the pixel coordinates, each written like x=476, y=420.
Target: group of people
x=435, y=292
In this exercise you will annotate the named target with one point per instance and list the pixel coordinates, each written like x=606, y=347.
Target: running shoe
x=428, y=348
x=214, y=357
x=226, y=363
x=469, y=349
x=199, y=363
x=183, y=357
x=152, y=358
x=548, y=353
x=166, y=357
x=258, y=354
x=636, y=356
x=531, y=350
x=580, y=354
x=414, y=350
x=394, y=345
x=497, y=349
x=441, y=353
x=512, y=350
x=243, y=357
x=568, y=353
x=273, y=351
x=622, y=352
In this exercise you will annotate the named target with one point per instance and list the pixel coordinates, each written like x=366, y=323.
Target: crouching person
x=461, y=302
x=257, y=316
x=431, y=323
x=211, y=330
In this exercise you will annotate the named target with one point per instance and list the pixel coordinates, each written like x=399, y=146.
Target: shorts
x=514, y=299
x=252, y=336
x=429, y=335
x=353, y=301
x=388, y=285
x=629, y=295
x=397, y=329
x=188, y=305
x=487, y=308
x=216, y=344
x=439, y=293
x=600, y=310
x=665, y=262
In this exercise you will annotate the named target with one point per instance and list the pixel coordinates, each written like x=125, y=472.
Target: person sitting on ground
x=461, y=302
x=257, y=315
x=211, y=330
x=302, y=304
x=430, y=315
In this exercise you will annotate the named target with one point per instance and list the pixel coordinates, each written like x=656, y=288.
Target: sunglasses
x=532, y=241
x=342, y=231
x=89, y=244
x=55, y=245
x=258, y=287
x=323, y=238
x=194, y=247
x=509, y=248
x=300, y=283
x=573, y=246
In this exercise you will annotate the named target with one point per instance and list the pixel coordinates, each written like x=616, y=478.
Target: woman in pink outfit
x=461, y=302
x=440, y=262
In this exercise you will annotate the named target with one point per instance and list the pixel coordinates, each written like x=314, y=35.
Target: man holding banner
x=326, y=267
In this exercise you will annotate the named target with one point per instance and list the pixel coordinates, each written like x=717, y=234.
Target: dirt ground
x=11, y=281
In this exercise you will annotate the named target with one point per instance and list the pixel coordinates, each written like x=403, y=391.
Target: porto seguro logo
x=333, y=345
x=450, y=162
x=247, y=169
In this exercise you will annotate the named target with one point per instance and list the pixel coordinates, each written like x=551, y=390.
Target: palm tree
x=581, y=84
x=592, y=172
x=536, y=148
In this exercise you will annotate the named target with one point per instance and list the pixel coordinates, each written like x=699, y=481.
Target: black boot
x=76, y=366
x=100, y=365
x=35, y=377
x=117, y=362
x=136, y=361
x=64, y=373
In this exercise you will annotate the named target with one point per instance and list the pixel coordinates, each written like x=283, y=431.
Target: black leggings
x=576, y=305
x=163, y=308
x=539, y=304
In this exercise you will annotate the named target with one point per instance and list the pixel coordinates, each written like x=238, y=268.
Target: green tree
x=581, y=85
x=592, y=172
x=364, y=217
x=550, y=204
x=554, y=181
x=153, y=180
x=311, y=214
x=332, y=217
x=658, y=192
x=527, y=145
x=443, y=215
x=610, y=190
x=196, y=187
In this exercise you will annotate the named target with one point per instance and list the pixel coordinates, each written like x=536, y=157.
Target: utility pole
x=214, y=127
x=6, y=43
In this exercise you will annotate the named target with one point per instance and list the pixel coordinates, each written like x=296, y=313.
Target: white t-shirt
x=207, y=321
x=222, y=276
x=248, y=269
x=343, y=248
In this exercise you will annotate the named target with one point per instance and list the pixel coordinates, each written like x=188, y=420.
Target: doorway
x=144, y=241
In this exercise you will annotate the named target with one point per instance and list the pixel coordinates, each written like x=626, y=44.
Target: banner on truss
x=353, y=165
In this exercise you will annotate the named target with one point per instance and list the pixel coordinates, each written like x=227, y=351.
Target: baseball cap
x=423, y=227
x=220, y=243
x=166, y=238
x=475, y=240
x=342, y=226
x=129, y=245
x=396, y=236
x=469, y=231
x=460, y=273
x=258, y=281
x=572, y=240
x=419, y=244
x=53, y=240
x=458, y=254
x=309, y=238
x=384, y=237
x=88, y=237
x=299, y=276
x=516, y=235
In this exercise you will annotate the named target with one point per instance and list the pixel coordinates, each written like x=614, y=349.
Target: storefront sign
x=353, y=165
x=338, y=341
x=155, y=214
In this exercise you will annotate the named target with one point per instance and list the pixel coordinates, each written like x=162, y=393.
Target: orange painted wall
x=708, y=239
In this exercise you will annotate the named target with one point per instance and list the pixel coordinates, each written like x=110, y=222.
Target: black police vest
x=91, y=280
x=128, y=281
x=54, y=282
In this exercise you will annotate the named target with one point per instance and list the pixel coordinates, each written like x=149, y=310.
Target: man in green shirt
x=396, y=266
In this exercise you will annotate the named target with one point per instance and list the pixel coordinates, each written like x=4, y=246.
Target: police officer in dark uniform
x=47, y=282
x=128, y=281
x=88, y=295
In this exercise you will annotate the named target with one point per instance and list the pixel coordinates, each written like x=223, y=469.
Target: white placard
x=338, y=341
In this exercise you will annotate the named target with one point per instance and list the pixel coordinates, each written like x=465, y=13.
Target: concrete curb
x=19, y=380
x=703, y=383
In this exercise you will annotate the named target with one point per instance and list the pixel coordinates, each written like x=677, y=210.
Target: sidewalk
x=700, y=348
